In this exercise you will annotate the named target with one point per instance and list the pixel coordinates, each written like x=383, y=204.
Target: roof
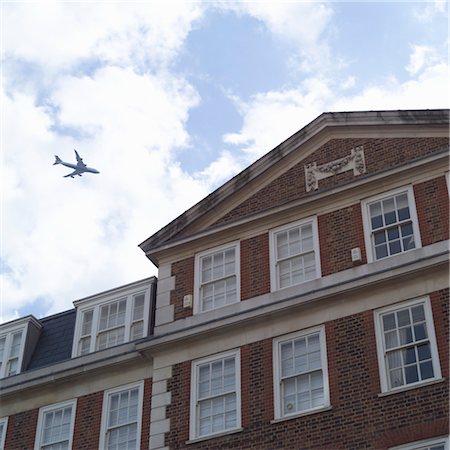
x=55, y=341
x=317, y=126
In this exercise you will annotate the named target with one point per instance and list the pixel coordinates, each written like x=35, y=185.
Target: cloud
x=270, y=117
x=63, y=239
x=300, y=25
x=421, y=56
x=61, y=35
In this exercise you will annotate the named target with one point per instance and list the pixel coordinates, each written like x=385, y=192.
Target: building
x=303, y=304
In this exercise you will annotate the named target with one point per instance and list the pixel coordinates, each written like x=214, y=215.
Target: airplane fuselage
x=78, y=168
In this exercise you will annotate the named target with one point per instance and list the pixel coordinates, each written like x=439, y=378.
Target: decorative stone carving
x=355, y=161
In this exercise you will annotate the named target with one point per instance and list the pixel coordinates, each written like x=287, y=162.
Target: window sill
x=305, y=413
x=213, y=436
x=410, y=388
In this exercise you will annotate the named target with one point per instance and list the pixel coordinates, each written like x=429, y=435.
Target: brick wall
x=183, y=271
x=432, y=210
x=145, y=430
x=255, y=267
x=380, y=154
x=339, y=232
x=21, y=431
x=88, y=418
x=22, y=427
x=358, y=418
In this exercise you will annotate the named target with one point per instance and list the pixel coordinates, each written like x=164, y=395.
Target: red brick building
x=303, y=304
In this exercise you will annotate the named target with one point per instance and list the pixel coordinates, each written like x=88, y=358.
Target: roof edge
x=326, y=119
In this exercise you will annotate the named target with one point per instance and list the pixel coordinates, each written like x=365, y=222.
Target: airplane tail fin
x=57, y=160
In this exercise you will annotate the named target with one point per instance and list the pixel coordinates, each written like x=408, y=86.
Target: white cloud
x=269, y=118
x=61, y=238
x=421, y=56
x=60, y=35
x=301, y=25
x=429, y=10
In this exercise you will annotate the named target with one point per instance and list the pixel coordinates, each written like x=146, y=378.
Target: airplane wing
x=75, y=172
x=79, y=159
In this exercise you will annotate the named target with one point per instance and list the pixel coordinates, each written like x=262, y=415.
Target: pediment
x=334, y=149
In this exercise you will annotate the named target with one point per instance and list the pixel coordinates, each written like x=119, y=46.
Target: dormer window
x=112, y=318
x=12, y=344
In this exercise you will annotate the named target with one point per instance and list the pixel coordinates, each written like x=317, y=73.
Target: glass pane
x=420, y=331
x=381, y=251
x=403, y=317
x=375, y=215
x=411, y=374
x=395, y=247
x=394, y=359
x=418, y=313
x=388, y=322
x=424, y=352
x=402, y=206
x=138, y=309
x=396, y=378
x=87, y=323
x=426, y=370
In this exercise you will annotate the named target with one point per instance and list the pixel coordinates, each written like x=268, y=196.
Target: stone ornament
x=314, y=173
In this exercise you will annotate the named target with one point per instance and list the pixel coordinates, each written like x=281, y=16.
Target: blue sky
x=168, y=101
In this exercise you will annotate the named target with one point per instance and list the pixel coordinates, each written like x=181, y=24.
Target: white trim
x=278, y=414
x=273, y=250
x=115, y=296
x=193, y=435
x=423, y=443
x=8, y=333
x=431, y=337
x=4, y=421
x=105, y=412
x=366, y=218
x=197, y=271
x=56, y=406
x=447, y=179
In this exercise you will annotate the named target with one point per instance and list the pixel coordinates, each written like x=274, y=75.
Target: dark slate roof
x=55, y=341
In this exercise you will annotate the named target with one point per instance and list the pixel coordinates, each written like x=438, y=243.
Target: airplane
x=80, y=167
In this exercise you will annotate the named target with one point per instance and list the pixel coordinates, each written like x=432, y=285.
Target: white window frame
x=8, y=334
x=277, y=371
x=4, y=421
x=193, y=426
x=96, y=304
x=423, y=444
x=105, y=412
x=197, y=278
x=368, y=226
x=274, y=281
x=56, y=406
x=381, y=345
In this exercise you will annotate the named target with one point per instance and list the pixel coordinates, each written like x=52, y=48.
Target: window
x=106, y=322
x=440, y=443
x=391, y=225
x=55, y=426
x=215, y=395
x=300, y=373
x=217, y=278
x=407, y=352
x=295, y=254
x=3, y=428
x=11, y=352
x=122, y=417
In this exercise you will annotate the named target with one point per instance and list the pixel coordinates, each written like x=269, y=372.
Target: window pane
x=138, y=309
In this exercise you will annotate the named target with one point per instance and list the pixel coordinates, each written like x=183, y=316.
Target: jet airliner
x=80, y=167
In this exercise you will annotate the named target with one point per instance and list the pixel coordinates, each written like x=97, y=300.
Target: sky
x=168, y=101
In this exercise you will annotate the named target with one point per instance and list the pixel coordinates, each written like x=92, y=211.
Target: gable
x=388, y=139
x=379, y=154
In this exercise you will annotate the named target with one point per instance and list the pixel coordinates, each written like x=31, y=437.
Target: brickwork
x=88, y=418
x=255, y=267
x=359, y=417
x=145, y=431
x=339, y=232
x=432, y=210
x=21, y=431
x=380, y=154
x=183, y=271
